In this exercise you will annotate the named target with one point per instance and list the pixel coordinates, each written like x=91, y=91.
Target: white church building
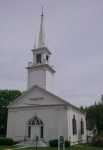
x=40, y=112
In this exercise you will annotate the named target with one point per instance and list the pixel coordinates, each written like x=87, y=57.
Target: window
x=35, y=121
x=29, y=131
x=82, y=126
x=41, y=132
x=46, y=57
x=74, y=125
x=38, y=58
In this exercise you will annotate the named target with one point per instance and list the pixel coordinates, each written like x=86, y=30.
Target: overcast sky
x=74, y=31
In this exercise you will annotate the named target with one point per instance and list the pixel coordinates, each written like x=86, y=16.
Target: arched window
x=35, y=121
x=74, y=125
x=82, y=126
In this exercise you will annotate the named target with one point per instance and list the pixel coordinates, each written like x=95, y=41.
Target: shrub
x=6, y=141
x=97, y=141
x=67, y=143
x=16, y=142
x=54, y=143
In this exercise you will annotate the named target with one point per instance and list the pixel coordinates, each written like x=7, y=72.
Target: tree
x=6, y=96
x=95, y=112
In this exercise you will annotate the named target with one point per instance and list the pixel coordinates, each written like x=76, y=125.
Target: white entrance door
x=35, y=131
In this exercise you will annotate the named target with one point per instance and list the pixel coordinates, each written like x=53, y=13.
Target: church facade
x=39, y=112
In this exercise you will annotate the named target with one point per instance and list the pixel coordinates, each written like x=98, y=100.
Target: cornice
x=41, y=49
x=41, y=65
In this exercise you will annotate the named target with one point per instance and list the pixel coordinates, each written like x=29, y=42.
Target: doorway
x=35, y=128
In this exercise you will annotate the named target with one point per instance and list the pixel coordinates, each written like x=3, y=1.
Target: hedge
x=54, y=143
x=6, y=141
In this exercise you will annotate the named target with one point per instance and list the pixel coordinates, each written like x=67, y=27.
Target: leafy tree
x=6, y=96
x=95, y=112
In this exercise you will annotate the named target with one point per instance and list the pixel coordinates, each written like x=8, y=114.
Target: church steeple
x=41, y=41
x=40, y=72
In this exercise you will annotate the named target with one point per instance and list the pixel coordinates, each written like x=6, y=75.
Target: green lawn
x=7, y=147
x=77, y=147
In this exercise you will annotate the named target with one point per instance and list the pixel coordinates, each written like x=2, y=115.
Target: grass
x=76, y=147
x=7, y=147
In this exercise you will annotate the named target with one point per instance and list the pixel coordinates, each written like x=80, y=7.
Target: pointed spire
x=41, y=41
x=47, y=43
x=35, y=46
x=42, y=12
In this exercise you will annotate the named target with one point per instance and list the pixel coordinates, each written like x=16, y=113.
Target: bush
x=6, y=141
x=54, y=143
x=67, y=143
x=16, y=142
x=97, y=141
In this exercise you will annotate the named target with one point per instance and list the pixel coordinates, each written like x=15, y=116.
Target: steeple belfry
x=40, y=71
x=41, y=41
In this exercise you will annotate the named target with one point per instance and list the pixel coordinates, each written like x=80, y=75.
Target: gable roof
x=49, y=93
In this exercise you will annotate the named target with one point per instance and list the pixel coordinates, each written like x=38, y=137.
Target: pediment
x=37, y=96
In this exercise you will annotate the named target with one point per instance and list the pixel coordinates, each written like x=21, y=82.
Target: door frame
x=32, y=122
